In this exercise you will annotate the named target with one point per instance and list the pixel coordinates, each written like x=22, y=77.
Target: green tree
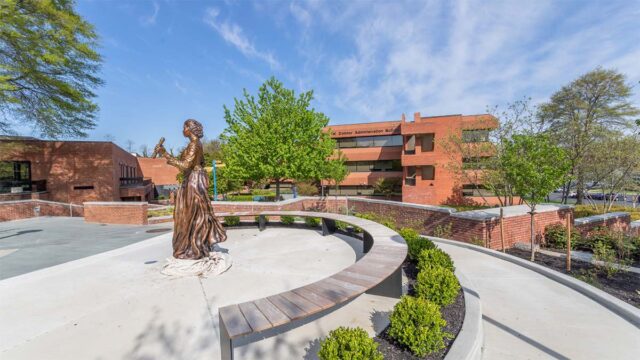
x=211, y=150
x=581, y=113
x=534, y=166
x=48, y=67
x=277, y=136
x=388, y=186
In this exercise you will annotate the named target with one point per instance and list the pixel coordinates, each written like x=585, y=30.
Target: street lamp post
x=215, y=182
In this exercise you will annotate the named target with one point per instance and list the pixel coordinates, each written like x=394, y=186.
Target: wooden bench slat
x=329, y=292
x=271, y=312
x=314, y=297
x=355, y=289
x=287, y=307
x=307, y=306
x=254, y=316
x=359, y=279
x=234, y=321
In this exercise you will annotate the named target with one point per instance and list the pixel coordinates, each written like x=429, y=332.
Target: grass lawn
x=161, y=212
x=588, y=210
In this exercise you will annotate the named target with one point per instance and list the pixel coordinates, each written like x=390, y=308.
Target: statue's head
x=192, y=126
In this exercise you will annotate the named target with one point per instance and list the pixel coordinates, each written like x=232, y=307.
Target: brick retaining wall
x=116, y=212
x=24, y=209
x=616, y=221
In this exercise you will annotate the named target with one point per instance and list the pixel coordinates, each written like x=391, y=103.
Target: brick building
x=69, y=171
x=162, y=175
x=410, y=153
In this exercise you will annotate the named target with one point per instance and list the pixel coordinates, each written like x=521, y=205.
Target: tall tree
x=48, y=68
x=534, y=166
x=212, y=150
x=278, y=136
x=585, y=111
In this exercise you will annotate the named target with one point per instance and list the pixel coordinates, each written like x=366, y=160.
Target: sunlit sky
x=166, y=61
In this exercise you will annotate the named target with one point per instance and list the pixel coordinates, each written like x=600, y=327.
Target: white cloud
x=151, y=19
x=234, y=35
x=460, y=57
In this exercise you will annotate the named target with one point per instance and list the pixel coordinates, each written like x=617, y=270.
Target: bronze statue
x=196, y=228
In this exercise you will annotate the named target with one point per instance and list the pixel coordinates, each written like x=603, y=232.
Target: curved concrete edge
x=469, y=343
x=621, y=308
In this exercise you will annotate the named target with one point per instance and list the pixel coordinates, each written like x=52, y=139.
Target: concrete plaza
x=36, y=243
x=117, y=305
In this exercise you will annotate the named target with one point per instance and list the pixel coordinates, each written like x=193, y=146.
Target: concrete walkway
x=529, y=316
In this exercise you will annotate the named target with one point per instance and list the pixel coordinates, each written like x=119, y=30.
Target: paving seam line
x=621, y=308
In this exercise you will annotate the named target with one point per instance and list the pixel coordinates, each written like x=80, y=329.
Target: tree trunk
x=579, y=189
x=533, y=235
x=277, y=189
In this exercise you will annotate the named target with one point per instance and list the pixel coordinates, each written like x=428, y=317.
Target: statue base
x=215, y=264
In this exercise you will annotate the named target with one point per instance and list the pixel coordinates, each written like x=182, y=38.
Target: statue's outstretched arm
x=186, y=160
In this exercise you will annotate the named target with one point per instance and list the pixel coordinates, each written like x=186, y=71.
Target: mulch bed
x=453, y=314
x=624, y=285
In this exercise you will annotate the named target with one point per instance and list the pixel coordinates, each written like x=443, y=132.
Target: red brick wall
x=67, y=164
x=15, y=210
x=158, y=170
x=620, y=222
x=116, y=212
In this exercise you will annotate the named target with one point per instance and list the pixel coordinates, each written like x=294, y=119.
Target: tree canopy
x=277, y=136
x=581, y=114
x=48, y=68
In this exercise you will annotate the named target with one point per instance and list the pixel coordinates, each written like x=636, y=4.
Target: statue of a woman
x=196, y=228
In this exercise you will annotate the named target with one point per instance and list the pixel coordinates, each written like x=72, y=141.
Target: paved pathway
x=529, y=316
x=32, y=244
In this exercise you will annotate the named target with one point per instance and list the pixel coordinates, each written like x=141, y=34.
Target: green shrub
x=367, y=216
x=434, y=257
x=263, y=192
x=287, y=219
x=384, y=220
x=603, y=252
x=415, y=242
x=555, y=236
x=341, y=225
x=307, y=189
x=266, y=218
x=240, y=197
x=312, y=221
x=437, y=284
x=625, y=246
x=349, y=343
x=417, y=324
x=232, y=220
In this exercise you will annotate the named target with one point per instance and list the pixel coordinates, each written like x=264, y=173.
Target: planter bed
x=453, y=314
x=624, y=285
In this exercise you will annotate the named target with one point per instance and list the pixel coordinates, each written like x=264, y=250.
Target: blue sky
x=166, y=61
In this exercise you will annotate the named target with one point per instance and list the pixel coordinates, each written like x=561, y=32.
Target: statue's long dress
x=196, y=228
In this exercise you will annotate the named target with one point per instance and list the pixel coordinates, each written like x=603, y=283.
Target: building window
x=410, y=147
x=428, y=172
x=427, y=142
x=474, y=136
x=350, y=190
x=410, y=179
x=373, y=166
x=15, y=174
x=369, y=141
x=83, y=187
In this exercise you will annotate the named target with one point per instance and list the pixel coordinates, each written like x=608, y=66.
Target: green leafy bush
x=232, y=220
x=555, y=236
x=239, y=197
x=287, y=219
x=341, y=225
x=415, y=242
x=349, y=343
x=625, y=246
x=437, y=284
x=307, y=189
x=312, y=221
x=263, y=192
x=417, y=324
x=435, y=257
x=384, y=220
x=266, y=218
x=603, y=252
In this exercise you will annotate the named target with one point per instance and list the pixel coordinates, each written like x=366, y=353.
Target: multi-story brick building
x=70, y=171
x=412, y=154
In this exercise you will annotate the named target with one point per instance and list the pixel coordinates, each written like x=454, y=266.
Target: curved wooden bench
x=378, y=272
